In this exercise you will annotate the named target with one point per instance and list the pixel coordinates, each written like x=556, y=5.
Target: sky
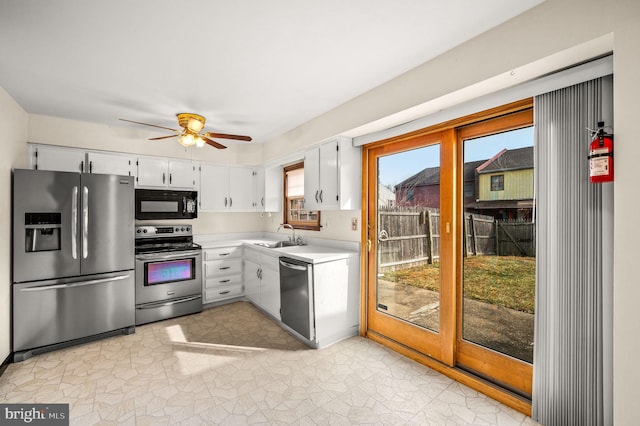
x=397, y=167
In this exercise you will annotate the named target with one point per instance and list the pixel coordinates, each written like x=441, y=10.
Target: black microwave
x=154, y=204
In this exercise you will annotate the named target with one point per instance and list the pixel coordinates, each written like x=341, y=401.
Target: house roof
x=431, y=175
x=509, y=159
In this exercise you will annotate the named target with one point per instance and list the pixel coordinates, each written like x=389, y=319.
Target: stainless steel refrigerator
x=73, y=258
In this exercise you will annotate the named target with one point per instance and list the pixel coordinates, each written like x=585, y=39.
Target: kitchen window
x=294, y=211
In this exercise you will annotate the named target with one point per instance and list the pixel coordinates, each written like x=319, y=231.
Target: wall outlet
x=354, y=223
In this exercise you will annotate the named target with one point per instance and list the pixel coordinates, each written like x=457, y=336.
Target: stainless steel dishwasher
x=296, y=296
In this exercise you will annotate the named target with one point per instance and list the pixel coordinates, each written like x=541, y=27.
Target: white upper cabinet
x=155, y=172
x=241, y=189
x=182, y=174
x=58, y=159
x=268, y=189
x=224, y=188
x=332, y=176
x=111, y=164
x=273, y=189
x=214, y=187
x=258, y=189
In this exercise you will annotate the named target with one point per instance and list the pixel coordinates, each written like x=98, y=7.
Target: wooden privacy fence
x=410, y=237
x=407, y=237
x=484, y=235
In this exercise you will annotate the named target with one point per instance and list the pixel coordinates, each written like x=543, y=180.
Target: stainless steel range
x=168, y=272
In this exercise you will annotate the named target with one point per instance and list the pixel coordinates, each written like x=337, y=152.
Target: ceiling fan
x=189, y=135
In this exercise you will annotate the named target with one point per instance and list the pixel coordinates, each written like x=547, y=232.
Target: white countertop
x=313, y=252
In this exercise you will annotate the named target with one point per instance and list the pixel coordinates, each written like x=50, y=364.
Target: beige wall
x=13, y=128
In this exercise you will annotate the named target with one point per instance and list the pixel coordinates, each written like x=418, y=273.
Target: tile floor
x=232, y=365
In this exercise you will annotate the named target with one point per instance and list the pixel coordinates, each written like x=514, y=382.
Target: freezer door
x=45, y=225
x=54, y=311
x=107, y=223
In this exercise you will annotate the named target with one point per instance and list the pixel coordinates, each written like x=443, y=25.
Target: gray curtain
x=568, y=353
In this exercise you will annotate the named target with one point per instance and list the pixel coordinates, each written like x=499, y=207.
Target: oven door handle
x=178, y=255
x=154, y=305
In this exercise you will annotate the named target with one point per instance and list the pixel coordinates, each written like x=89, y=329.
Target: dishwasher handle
x=293, y=266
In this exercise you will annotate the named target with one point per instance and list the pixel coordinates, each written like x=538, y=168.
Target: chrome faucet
x=293, y=231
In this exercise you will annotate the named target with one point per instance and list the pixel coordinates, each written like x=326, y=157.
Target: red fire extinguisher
x=601, y=156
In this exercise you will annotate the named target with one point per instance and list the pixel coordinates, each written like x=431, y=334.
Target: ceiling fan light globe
x=199, y=142
x=187, y=140
x=195, y=125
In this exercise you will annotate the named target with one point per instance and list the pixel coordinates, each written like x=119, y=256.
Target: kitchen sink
x=277, y=244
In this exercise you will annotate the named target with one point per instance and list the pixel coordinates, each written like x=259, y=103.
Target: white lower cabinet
x=262, y=281
x=336, y=300
x=222, y=273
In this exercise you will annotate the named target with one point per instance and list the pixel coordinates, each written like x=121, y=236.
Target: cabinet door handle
x=321, y=196
x=222, y=268
x=90, y=166
x=225, y=201
x=225, y=292
x=316, y=196
x=81, y=166
x=262, y=201
x=170, y=178
x=224, y=254
x=163, y=178
x=258, y=273
x=224, y=281
x=230, y=201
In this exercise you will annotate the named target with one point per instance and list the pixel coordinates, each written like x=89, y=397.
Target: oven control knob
x=177, y=229
x=139, y=231
x=182, y=229
x=144, y=230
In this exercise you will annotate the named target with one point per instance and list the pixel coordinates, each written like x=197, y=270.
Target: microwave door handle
x=74, y=222
x=85, y=222
x=184, y=206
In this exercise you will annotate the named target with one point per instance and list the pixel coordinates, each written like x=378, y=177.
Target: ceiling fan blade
x=226, y=136
x=163, y=137
x=147, y=124
x=213, y=143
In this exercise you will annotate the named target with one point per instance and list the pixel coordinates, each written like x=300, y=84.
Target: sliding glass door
x=451, y=237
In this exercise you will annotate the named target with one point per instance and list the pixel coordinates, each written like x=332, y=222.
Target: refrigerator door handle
x=85, y=222
x=78, y=284
x=74, y=222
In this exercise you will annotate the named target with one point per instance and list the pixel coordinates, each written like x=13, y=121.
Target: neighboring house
x=423, y=188
x=505, y=185
x=420, y=190
x=386, y=196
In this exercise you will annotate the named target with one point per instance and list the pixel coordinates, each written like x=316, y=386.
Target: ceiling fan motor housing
x=193, y=122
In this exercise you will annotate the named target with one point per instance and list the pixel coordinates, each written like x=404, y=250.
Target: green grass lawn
x=507, y=281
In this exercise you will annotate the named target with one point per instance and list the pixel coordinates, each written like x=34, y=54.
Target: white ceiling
x=253, y=67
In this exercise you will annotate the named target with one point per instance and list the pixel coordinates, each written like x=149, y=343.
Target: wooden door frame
x=454, y=184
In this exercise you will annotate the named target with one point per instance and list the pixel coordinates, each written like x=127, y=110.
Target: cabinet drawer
x=221, y=293
x=210, y=283
x=215, y=268
x=222, y=253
